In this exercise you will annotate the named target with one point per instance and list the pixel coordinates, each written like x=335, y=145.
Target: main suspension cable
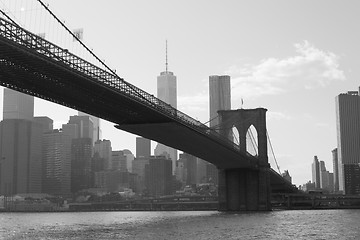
x=272, y=150
x=92, y=53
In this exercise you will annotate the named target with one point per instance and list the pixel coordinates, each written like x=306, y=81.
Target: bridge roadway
x=34, y=66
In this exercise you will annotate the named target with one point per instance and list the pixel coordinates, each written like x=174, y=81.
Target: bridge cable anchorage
x=92, y=53
x=272, y=150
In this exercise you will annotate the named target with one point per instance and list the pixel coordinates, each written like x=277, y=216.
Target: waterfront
x=299, y=224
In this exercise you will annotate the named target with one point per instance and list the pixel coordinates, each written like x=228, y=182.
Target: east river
x=299, y=224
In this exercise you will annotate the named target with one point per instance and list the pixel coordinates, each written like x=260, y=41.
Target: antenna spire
x=166, y=63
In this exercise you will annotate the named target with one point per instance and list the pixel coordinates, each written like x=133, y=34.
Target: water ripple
x=317, y=224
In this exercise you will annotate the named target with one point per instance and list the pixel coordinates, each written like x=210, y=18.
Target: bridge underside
x=183, y=138
x=31, y=73
x=280, y=185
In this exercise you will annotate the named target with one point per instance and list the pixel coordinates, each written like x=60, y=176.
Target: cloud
x=309, y=68
x=194, y=104
x=277, y=116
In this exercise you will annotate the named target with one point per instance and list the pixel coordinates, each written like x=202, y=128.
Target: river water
x=299, y=224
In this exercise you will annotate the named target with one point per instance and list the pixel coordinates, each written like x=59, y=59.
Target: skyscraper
x=57, y=162
x=104, y=150
x=166, y=91
x=129, y=159
x=138, y=168
x=20, y=156
x=81, y=149
x=190, y=167
x=18, y=105
x=335, y=169
x=220, y=99
x=96, y=126
x=46, y=122
x=348, y=141
x=85, y=126
x=20, y=145
x=158, y=176
x=119, y=161
x=143, y=147
x=220, y=96
x=316, y=172
x=323, y=175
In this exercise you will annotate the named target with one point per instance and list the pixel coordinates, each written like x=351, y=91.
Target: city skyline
x=294, y=68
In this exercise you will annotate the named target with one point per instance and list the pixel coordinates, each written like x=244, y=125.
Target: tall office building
x=348, y=141
x=220, y=96
x=316, y=172
x=326, y=178
x=335, y=169
x=81, y=150
x=85, y=126
x=143, y=147
x=18, y=105
x=158, y=176
x=166, y=91
x=20, y=145
x=96, y=126
x=57, y=162
x=119, y=161
x=129, y=159
x=104, y=150
x=20, y=157
x=220, y=99
x=201, y=171
x=190, y=168
x=138, y=168
x=46, y=123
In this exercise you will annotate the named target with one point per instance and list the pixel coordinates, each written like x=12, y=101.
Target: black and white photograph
x=179, y=119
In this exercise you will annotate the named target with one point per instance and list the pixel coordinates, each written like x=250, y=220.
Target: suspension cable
x=8, y=17
x=211, y=119
x=75, y=37
x=89, y=50
x=272, y=150
x=217, y=126
x=253, y=141
x=237, y=140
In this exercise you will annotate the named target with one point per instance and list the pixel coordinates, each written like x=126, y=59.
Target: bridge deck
x=34, y=66
x=37, y=67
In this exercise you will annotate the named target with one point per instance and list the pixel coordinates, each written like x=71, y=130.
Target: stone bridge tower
x=243, y=189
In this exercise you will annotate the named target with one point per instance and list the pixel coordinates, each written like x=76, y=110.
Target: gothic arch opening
x=252, y=141
x=234, y=136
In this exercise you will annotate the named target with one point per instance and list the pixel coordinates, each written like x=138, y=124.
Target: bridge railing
x=21, y=36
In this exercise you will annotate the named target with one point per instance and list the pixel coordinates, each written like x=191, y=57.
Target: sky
x=290, y=57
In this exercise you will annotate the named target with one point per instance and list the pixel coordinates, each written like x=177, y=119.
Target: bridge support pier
x=244, y=189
